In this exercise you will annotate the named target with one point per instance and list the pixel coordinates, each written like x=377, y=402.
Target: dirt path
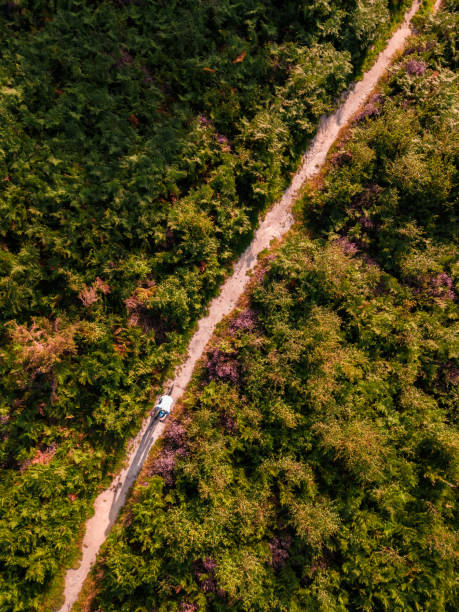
x=275, y=224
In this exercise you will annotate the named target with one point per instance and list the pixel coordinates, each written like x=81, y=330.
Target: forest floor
x=275, y=225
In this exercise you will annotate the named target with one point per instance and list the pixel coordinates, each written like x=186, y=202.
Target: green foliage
x=317, y=467
x=139, y=142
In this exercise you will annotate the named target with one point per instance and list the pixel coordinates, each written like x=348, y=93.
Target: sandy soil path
x=275, y=224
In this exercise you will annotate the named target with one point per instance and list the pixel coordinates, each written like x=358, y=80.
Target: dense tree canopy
x=315, y=465
x=140, y=139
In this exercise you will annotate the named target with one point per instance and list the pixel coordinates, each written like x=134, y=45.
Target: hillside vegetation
x=315, y=465
x=139, y=142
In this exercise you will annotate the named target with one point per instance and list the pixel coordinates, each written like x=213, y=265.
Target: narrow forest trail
x=276, y=223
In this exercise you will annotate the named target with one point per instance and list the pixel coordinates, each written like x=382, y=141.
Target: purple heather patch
x=369, y=111
x=204, y=570
x=348, y=247
x=185, y=606
x=415, y=68
x=452, y=374
x=222, y=366
x=175, y=435
x=366, y=222
x=245, y=320
x=279, y=548
x=175, y=446
x=441, y=286
x=164, y=466
x=229, y=423
x=367, y=195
